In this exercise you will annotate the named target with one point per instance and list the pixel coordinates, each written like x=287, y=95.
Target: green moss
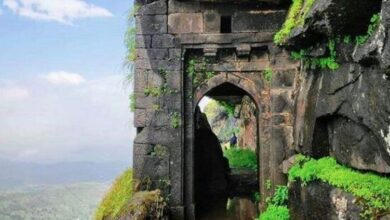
x=268, y=73
x=146, y=205
x=114, y=203
x=175, y=120
x=241, y=158
x=295, y=18
x=372, y=191
x=277, y=205
x=372, y=27
x=328, y=62
x=274, y=212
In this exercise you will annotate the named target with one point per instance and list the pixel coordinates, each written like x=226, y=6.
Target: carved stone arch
x=237, y=80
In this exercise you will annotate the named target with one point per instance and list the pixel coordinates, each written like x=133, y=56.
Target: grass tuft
x=114, y=203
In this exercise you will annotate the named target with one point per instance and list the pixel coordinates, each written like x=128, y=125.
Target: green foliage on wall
x=372, y=27
x=114, y=203
x=372, y=191
x=175, y=120
x=295, y=18
x=132, y=99
x=197, y=70
x=277, y=205
x=241, y=158
x=268, y=73
x=329, y=62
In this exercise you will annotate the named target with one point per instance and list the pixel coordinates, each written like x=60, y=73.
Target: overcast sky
x=62, y=92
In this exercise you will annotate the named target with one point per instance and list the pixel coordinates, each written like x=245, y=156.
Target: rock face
x=211, y=170
x=328, y=19
x=321, y=201
x=247, y=137
x=345, y=113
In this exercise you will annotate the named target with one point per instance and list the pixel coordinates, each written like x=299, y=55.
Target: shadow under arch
x=211, y=173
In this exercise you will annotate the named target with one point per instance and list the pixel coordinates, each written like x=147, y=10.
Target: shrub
x=114, y=203
x=277, y=206
x=241, y=158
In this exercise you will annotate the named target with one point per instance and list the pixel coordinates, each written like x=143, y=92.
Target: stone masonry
x=235, y=38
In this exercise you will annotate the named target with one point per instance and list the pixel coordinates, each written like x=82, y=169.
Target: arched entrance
x=224, y=188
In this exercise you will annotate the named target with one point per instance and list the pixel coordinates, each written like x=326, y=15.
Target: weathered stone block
x=140, y=118
x=155, y=8
x=151, y=24
x=283, y=78
x=319, y=200
x=212, y=22
x=153, y=167
x=175, y=6
x=159, y=54
x=148, y=64
x=163, y=41
x=281, y=101
x=184, y=23
x=143, y=41
x=257, y=21
x=144, y=102
x=143, y=149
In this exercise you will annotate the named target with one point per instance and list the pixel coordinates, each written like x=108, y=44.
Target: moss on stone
x=372, y=191
x=295, y=18
x=145, y=205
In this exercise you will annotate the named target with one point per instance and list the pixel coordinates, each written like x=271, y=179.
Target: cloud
x=62, y=11
x=64, y=78
x=13, y=94
x=90, y=122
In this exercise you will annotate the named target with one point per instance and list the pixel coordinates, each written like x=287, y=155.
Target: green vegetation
x=197, y=70
x=228, y=107
x=114, y=204
x=268, y=73
x=295, y=18
x=371, y=191
x=268, y=184
x=51, y=202
x=133, y=99
x=329, y=62
x=175, y=120
x=224, y=131
x=374, y=24
x=277, y=205
x=130, y=41
x=241, y=158
x=146, y=205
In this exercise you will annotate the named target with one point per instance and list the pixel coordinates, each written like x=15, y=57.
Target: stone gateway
x=186, y=50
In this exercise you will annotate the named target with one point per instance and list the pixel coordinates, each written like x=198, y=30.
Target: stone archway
x=214, y=182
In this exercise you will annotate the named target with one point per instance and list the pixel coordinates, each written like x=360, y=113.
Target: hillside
x=75, y=201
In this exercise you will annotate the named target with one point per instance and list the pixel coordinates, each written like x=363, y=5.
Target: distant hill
x=15, y=174
x=61, y=202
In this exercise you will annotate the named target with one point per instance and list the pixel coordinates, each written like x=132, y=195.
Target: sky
x=63, y=94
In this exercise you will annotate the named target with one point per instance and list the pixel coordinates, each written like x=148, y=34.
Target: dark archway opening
x=226, y=173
